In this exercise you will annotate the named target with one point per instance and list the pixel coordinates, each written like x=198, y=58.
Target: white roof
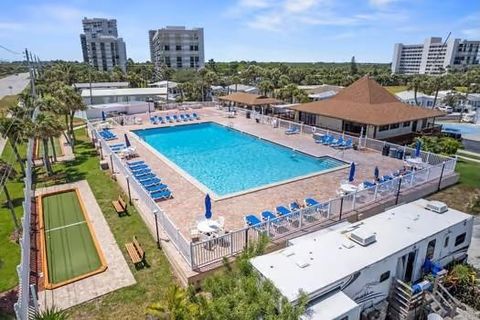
x=332, y=307
x=328, y=258
x=85, y=85
x=322, y=95
x=163, y=83
x=117, y=105
x=410, y=94
x=124, y=92
x=242, y=87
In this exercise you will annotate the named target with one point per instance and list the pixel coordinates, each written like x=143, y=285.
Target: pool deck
x=187, y=206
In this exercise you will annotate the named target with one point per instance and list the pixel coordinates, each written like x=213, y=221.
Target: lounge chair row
x=174, y=118
x=292, y=130
x=339, y=143
x=149, y=180
x=383, y=179
x=107, y=135
x=283, y=214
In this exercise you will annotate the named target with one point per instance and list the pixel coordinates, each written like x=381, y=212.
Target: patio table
x=348, y=188
x=208, y=226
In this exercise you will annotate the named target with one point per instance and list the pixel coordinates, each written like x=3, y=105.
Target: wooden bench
x=136, y=253
x=120, y=206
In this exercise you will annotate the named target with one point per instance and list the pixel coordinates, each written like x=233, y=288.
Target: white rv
x=350, y=267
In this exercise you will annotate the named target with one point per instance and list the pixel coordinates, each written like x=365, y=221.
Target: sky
x=260, y=30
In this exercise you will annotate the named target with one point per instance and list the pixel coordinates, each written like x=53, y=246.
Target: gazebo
x=249, y=100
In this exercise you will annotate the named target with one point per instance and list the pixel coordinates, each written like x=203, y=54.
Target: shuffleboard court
x=70, y=250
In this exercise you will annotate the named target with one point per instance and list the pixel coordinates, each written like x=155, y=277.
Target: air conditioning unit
x=363, y=237
x=437, y=206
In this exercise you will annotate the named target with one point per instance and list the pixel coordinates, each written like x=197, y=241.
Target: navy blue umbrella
x=376, y=173
x=418, y=147
x=208, y=207
x=351, y=176
x=127, y=142
x=103, y=116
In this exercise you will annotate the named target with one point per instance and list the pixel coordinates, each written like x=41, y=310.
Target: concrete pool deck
x=187, y=206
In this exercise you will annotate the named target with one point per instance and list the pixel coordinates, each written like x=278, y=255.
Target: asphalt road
x=16, y=82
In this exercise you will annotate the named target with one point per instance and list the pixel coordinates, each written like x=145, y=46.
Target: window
x=178, y=48
x=166, y=47
x=179, y=62
x=445, y=244
x=383, y=128
x=384, y=276
x=431, y=249
x=460, y=239
x=394, y=126
x=406, y=124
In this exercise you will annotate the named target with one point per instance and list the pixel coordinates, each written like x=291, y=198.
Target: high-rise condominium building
x=177, y=47
x=435, y=56
x=101, y=46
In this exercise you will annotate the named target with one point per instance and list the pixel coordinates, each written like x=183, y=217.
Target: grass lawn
x=468, y=155
x=56, y=143
x=130, y=302
x=9, y=250
x=7, y=101
x=463, y=195
x=395, y=89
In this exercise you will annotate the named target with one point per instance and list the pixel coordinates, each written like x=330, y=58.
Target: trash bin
x=393, y=152
x=385, y=150
x=400, y=154
x=247, y=114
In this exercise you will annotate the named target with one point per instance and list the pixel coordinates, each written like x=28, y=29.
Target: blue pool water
x=227, y=161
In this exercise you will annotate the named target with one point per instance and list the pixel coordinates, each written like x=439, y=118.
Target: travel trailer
x=348, y=268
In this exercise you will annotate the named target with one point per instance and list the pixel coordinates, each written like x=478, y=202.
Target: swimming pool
x=226, y=161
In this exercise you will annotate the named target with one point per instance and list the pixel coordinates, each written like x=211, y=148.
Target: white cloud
x=380, y=3
x=255, y=3
x=299, y=5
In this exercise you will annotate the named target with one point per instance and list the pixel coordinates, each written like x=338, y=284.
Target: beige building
x=366, y=104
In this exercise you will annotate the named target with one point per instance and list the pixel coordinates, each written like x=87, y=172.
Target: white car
x=446, y=109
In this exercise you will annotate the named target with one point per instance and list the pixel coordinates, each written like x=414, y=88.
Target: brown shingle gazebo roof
x=365, y=101
x=249, y=99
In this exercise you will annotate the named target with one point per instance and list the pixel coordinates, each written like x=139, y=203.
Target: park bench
x=120, y=206
x=136, y=253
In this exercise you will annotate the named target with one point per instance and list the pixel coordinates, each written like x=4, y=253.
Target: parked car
x=446, y=109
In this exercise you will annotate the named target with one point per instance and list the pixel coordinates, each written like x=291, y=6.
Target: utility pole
x=32, y=75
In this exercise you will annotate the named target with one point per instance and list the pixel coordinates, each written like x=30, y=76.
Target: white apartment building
x=177, y=47
x=101, y=46
x=434, y=56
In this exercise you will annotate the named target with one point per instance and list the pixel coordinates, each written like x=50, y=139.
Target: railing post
x=398, y=190
x=128, y=189
x=111, y=163
x=341, y=208
x=376, y=191
x=192, y=260
x=300, y=218
x=441, y=176
x=428, y=157
x=155, y=213
x=329, y=210
x=354, y=199
x=231, y=243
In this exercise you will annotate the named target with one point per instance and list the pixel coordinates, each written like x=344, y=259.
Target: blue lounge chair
x=134, y=163
x=268, y=215
x=138, y=167
x=156, y=187
x=195, y=116
x=168, y=119
x=182, y=117
x=176, y=118
x=310, y=202
x=290, y=131
x=368, y=184
x=141, y=172
x=294, y=206
x=275, y=221
x=347, y=145
x=282, y=211
x=327, y=140
x=161, y=195
x=188, y=117
x=337, y=144
x=116, y=145
x=160, y=120
x=145, y=177
x=150, y=182
x=252, y=220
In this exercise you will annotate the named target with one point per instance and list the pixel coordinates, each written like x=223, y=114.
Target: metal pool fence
x=213, y=249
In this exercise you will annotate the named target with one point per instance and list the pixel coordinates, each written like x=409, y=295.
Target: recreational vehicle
x=350, y=267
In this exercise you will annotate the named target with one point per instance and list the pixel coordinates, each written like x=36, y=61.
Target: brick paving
x=187, y=206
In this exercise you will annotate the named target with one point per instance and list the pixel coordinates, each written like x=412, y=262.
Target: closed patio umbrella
x=351, y=176
x=127, y=142
x=418, y=147
x=208, y=207
x=376, y=173
x=103, y=116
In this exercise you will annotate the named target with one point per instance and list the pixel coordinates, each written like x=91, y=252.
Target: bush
x=442, y=145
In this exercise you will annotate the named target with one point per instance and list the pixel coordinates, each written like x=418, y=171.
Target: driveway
x=16, y=82
x=474, y=250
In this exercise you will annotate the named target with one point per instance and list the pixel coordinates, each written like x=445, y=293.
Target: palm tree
x=14, y=129
x=265, y=86
x=175, y=305
x=7, y=171
x=415, y=84
x=46, y=126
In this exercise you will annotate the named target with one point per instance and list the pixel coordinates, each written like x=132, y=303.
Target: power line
x=10, y=50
